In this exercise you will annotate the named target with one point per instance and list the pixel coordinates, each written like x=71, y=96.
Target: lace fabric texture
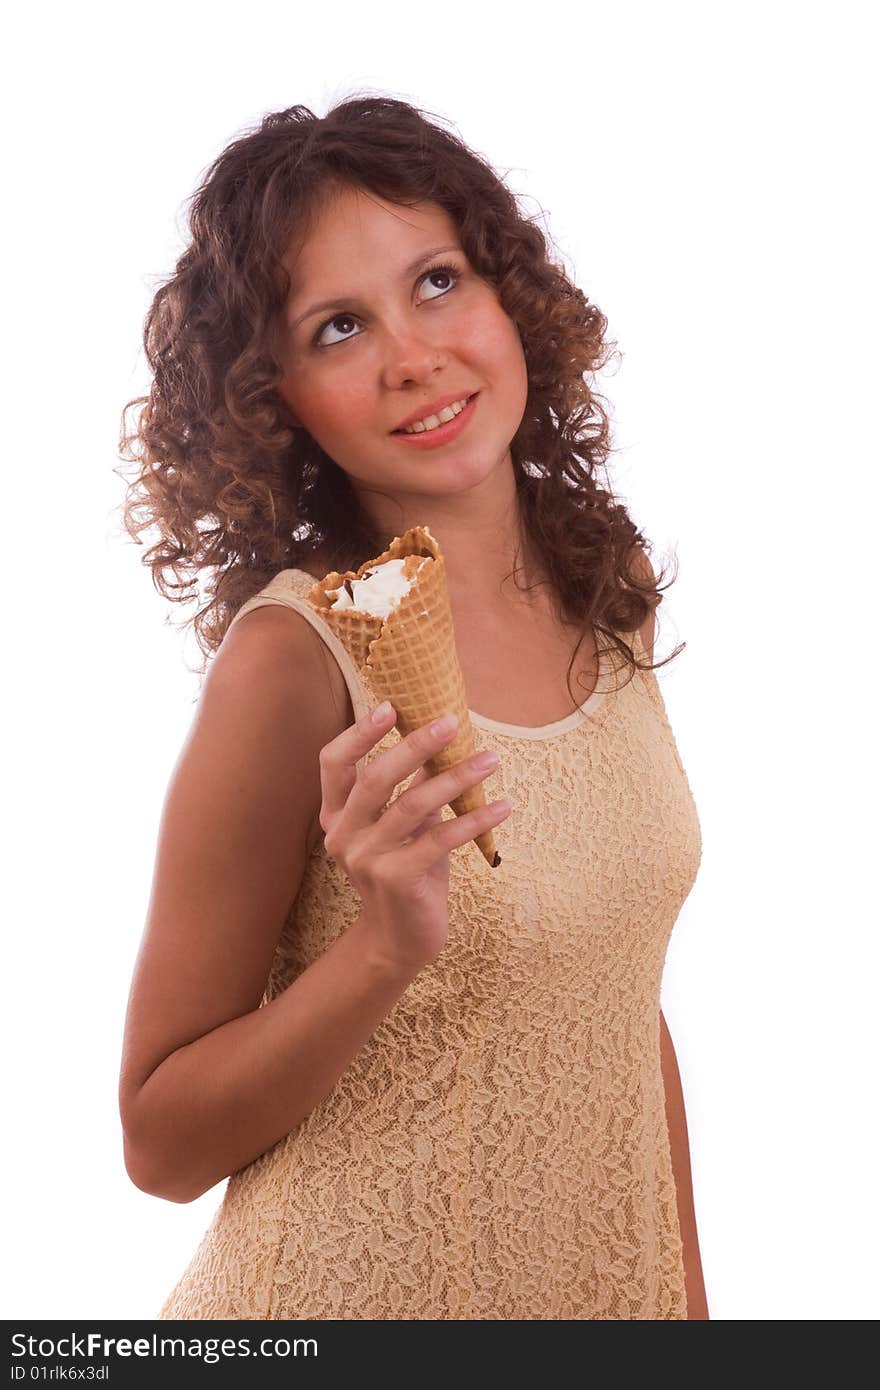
x=499, y=1148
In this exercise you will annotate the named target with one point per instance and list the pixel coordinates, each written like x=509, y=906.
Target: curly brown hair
x=234, y=490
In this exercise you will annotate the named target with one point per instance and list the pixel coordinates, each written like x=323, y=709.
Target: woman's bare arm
x=209, y=1080
x=217, y=1103
x=697, y=1307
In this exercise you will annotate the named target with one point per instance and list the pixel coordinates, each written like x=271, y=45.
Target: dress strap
x=280, y=591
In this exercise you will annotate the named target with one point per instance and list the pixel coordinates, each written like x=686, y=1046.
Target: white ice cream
x=377, y=593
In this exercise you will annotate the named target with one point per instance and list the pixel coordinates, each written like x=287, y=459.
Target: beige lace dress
x=499, y=1148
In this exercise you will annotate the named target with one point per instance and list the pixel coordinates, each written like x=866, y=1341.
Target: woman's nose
x=413, y=356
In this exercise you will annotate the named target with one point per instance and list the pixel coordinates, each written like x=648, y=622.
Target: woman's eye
x=449, y=271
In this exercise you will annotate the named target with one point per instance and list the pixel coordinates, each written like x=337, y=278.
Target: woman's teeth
x=448, y=412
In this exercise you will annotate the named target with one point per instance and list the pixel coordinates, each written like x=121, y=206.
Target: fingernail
x=444, y=725
x=381, y=712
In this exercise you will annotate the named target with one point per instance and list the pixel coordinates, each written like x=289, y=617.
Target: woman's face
x=398, y=339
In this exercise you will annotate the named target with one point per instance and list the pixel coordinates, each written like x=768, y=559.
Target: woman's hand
x=397, y=856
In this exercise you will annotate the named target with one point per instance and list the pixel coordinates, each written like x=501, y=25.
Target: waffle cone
x=410, y=657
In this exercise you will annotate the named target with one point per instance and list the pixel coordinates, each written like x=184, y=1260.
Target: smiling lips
x=442, y=433
x=434, y=411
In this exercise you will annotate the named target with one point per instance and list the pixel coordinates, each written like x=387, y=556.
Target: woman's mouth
x=441, y=434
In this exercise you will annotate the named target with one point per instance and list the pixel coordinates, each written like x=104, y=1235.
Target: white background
x=705, y=172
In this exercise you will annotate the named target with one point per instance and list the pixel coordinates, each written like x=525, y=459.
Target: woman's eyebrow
x=352, y=299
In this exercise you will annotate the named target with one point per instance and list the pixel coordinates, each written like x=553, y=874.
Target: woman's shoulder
x=276, y=637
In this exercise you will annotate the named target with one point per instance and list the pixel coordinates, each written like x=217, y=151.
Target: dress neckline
x=586, y=711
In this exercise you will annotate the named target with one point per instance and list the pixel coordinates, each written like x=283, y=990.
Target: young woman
x=437, y=1090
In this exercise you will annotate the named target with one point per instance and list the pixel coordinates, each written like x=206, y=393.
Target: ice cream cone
x=410, y=656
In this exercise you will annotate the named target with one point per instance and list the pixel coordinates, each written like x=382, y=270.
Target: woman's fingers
x=422, y=776
x=355, y=801
x=370, y=790
x=339, y=758
x=439, y=836
x=425, y=798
